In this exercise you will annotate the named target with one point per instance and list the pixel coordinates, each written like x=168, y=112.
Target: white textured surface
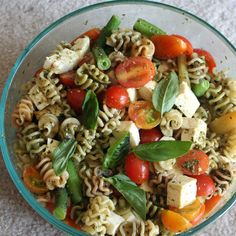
x=20, y=22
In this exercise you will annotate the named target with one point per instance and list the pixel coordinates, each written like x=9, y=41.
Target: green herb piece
x=62, y=154
x=116, y=152
x=134, y=195
x=165, y=93
x=102, y=60
x=61, y=204
x=90, y=110
x=201, y=88
x=162, y=150
x=190, y=165
x=146, y=28
x=182, y=69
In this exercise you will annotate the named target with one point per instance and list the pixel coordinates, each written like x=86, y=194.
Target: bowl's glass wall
x=168, y=18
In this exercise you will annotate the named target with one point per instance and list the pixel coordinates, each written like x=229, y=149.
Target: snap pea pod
x=201, y=88
x=103, y=61
x=61, y=204
x=147, y=28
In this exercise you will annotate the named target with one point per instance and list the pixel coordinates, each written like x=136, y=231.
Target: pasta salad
x=128, y=132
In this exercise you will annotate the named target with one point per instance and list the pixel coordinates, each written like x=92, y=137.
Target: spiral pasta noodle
x=55, y=110
x=49, y=125
x=152, y=208
x=69, y=127
x=229, y=149
x=116, y=58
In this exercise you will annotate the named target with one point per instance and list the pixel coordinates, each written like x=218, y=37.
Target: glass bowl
x=169, y=18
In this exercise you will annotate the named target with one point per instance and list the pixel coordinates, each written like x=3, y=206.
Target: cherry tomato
x=38, y=72
x=144, y=115
x=205, y=185
x=208, y=57
x=211, y=203
x=75, y=98
x=50, y=206
x=117, y=97
x=33, y=181
x=93, y=34
x=135, y=72
x=189, y=50
x=195, y=162
x=168, y=46
x=88, y=58
x=174, y=222
x=150, y=135
x=70, y=221
x=136, y=169
x=200, y=215
x=68, y=79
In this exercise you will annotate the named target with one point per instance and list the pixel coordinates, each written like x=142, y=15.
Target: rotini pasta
x=49, y=125
x=116, y=58
x=69, y=127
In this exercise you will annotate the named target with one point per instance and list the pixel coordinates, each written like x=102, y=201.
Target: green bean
x=182, y=69
x=103, y=61
x=201, y=88
x=74, y=185
x=146, y=28
x=61, y=204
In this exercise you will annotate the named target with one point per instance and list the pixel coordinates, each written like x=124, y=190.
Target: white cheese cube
x=130, y=216
x=147, y=90
x=186, y=101
x=114, y=222
x=81, y=46
x=132, y=92
x=128, y=126
x=181, y=191
x=38, y=98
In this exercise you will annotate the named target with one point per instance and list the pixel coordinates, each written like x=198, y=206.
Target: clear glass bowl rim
x=9, y=164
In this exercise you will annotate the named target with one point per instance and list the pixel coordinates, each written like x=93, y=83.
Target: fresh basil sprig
x=165, y=93
x=134, y=195
x=62, y=153
x=90, y=110
x=162, y=150
x=116, y=152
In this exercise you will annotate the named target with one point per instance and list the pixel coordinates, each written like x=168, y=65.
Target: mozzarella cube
x=113, y=223
x=130, y=216
x=38, y=98
x=128, y=126
x=186, y=101
x=147, y=90
x=132, y=92
x=181, y=191
x=81, y=46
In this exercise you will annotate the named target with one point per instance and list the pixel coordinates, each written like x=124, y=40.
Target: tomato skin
x=93, y=34
x=135, y=72
x=68, y=79
x=205, y=185
x=211, y=203
x=189, y=50
x=209, y=58
x=117, y=97
x=88, y=58
x=200, y=215
x=50, y=206
x=136, y=169
x=150, y=135
x=168, y=46
x=75, y=98
x=38, y=72
x=33, y=181
x=195, y=162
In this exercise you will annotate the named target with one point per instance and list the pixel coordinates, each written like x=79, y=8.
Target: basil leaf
x=134, y=195
x=90, y=110
x=162, y=150
x=165, y=93
x=116, y=152
x=62, y=154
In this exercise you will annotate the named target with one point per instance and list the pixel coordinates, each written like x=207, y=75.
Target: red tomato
x=144, y=114
x=205, y=185
x=50, y=206
x=69, y=221
x=88, y=58
x=211, y=203
x=200, y=215
x=75, y=98
x=136, y=169
x=33, y=180
x=189, y=45
x=209, y=58
x=68, y=79
x=135, y=72
x=150, y=135
x=93, y=34
x=168, y=46
x=38, y=72
x=117, y=97
x=195, y=162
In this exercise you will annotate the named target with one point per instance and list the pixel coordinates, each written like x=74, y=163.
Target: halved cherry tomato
x=50, y=206
x=38, y=72
x=150, y=135
x=195, y=162
x=211, y=203
x=136, y=169
x=205, y=185
x=135, y=72
x=88, y=58
x=189, y=50
x=200, y=215
x=208, y=57
x=33, y=180
x=75, y=98
x=93, y=34
x=174, y=222
x=69, y=221
x=68, y=79
x=168, y=46
x=117, y=97
x=144, y=114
